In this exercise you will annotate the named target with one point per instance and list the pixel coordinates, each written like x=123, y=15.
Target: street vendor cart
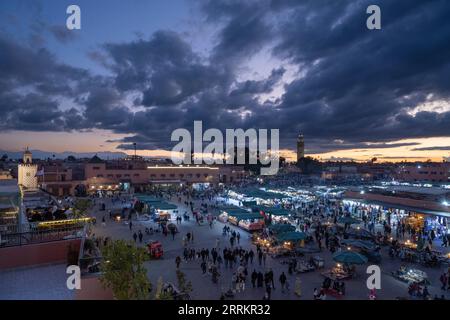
x=155, y=249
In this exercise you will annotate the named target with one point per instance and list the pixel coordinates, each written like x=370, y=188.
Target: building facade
x=62, y=178
x=424, y=172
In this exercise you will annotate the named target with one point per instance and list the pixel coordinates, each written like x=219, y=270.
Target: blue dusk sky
x=139, y=69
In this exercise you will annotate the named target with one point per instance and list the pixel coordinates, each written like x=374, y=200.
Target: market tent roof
x=258, y=193
x=147, y=198
x=291, y=236
x=249, y=203
x=349, y=257
x=281, y=227
x=273, y=210
x=363, y=244
x=235, y=211
x=163, y=206
x=246, y=216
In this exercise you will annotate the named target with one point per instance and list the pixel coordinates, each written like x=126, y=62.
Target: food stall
x=345, y=268
x=411, y=275
x=285, y=243
x=227, y=211
x=364, y=247
x=273, y=214
x=339, y=272
x=280, y=228
x=162, y=211
x=249, y=221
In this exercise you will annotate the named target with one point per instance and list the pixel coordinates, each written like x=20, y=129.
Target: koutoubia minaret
x=300, y=147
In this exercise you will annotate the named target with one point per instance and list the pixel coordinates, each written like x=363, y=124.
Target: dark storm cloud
x=440, y=148
x=355, y=78
x=164, y=68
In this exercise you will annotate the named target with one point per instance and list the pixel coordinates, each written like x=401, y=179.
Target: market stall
x=280, y=228
x=345, y=267
x=411, y=275
x=367, y=248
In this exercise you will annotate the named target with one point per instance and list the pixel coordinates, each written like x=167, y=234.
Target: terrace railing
x=40, y=236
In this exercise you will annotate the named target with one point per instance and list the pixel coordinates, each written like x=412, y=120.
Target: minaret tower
x=300, y=147
x=28, y=171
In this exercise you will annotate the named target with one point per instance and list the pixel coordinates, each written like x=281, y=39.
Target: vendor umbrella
x=348, y=220
x=349, y=257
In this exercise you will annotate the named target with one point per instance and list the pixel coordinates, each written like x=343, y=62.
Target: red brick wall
x=36, y=254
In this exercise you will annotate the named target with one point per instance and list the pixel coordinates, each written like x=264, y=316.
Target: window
x=95, y=168
x=127, y=175
x=172, y=175
x=153, y=175
x=181, y=175
x=163, y=175
x=198, y=175
x=99, y=176
x=136, y=175
x=110, y=176
x=118, y=176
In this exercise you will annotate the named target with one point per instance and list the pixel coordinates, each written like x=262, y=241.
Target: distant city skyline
x=139, y=69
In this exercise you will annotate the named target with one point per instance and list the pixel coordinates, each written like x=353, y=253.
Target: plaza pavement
x=204, y=288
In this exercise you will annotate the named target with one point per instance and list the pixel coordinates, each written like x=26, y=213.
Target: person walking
x=283, y=280
x=443, y=280
x=260, y=279
x=140, y=235
x=270, y=276
x=254, y=278
x=268, y=292
x=178, y=261
x=203, y=266
x=135, y=236
x=130, y=225
x=298, y=288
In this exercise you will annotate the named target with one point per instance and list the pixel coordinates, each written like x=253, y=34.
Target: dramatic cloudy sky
x=139, y=69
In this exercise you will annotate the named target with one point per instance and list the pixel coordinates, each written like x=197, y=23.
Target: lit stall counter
x=60, y=224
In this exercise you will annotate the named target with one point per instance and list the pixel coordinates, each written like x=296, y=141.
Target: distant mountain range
x=39, y=154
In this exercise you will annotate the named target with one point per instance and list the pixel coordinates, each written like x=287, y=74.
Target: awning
x=163, y=206
x=281, y=227
x=291, y=236
x=402, y=207
x=147, y=198
x=272, y=210
x=246, y=216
